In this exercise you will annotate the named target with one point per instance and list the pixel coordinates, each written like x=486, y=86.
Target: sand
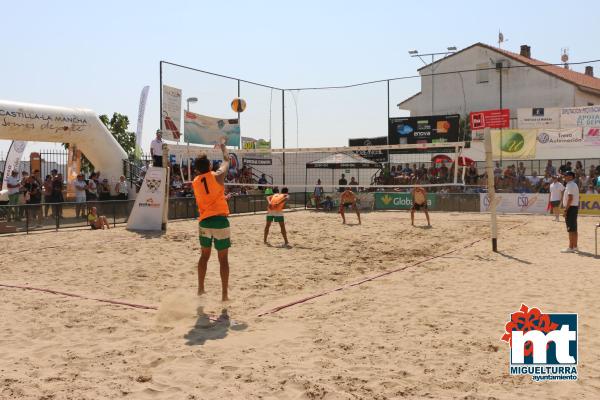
x=430, y=330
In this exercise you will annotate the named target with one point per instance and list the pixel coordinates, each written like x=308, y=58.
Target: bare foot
x=201, y=292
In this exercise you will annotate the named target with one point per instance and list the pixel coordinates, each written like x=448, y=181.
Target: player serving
x=419, y=200
x=209, y=190
x=276, y=204
x=348, y=199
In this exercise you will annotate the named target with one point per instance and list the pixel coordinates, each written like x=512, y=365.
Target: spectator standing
x=57, y=194
x=550, y=170
x=92, y=188
x=563, y=169
x=342, y=182
x=14, y=191
x=556, y=193
x=47, y=187
x=121, y=189
x=318, y=194
x=354, y=184
x=571, y=204
x=262, y=181
x=156, y=150
x=23, y=193
x=80, y=196
x=104, y=190
x=33, y=197
x=521, y=170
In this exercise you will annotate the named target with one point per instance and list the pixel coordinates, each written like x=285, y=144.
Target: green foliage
x=117, y=125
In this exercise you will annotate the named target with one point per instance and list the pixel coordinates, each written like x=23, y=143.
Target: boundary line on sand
x=374, y=277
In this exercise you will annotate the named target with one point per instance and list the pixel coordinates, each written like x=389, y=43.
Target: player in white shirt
x=571, y=204
x=556, y=192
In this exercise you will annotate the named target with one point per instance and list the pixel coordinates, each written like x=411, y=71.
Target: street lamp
x=191, y=100
x=415, y=53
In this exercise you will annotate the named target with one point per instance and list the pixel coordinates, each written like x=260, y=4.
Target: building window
x=483, y=73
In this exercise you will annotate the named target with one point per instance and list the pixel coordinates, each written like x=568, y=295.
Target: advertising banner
x=514, y=144
x=256, y=161
x=171, y=110
x=249, y=143
x=589, y=204
x=140, y=121
x=13, y=158
x=490, y=119
x=533, y=203
x=373, y=155
x=580, y=116
x=426, y=129
x=201, y=129
x=591, y=136
x=147, y=212
x=399, y=201
x=559, y=137
x=528, y=118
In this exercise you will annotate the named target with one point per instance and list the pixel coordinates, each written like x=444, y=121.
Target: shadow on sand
x=514, y=258
x=207, y=328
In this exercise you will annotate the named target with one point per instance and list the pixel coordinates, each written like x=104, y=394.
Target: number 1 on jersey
x=203, y=180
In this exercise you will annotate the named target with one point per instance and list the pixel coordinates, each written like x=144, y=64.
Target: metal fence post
x=114, y=214
x=26, y=219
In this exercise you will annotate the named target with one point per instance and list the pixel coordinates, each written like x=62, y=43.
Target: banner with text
x=422, y=130
x=591, y=136
x=490, y=119
x=249, y=143
x=589, y=204
x=147, y=212
x=533, y=203
x=13, y=158
x=171, y=110
x=399, y=201
x=201, y=129
x=528, y=118
x=559, y=137
x=514, y=144
x=580, y=116
x=373, y=155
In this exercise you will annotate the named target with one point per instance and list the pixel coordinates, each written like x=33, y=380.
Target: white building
x=526, y=83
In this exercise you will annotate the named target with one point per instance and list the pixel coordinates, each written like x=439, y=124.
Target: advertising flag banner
x=140, y=121
x=171, y=110
x=201, y=129
x=494, y=119
x=514, y=144
x=147, y=212
x=13, y=158
x=528, y=118
x=580, y=116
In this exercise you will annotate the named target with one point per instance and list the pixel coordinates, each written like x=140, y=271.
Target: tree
x=117, y=126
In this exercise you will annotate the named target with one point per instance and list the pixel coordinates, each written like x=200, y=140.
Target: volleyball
x=238, y=105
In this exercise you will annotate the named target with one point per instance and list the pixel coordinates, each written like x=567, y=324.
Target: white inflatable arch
x=77, y=126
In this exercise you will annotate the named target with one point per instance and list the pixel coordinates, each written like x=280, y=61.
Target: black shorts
x=555, y=204
x=418, y=207
x=571, y=219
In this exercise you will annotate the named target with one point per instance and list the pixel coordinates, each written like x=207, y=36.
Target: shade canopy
x=343, y=161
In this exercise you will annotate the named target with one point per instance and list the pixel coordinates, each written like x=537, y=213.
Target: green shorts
x=216, y=228
x=274, y=218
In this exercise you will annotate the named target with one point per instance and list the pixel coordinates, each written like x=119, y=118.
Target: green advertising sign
x=399, y=201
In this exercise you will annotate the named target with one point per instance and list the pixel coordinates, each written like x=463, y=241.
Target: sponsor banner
x=373, y=155
x=256, y=161
x=140, y=121
x=201, y=129
x=514, y=143
x=423, y=130
x=528, y=118
x=591, y=136
x=13, y=158
x=249, y=143
x=559, y=137
x=400, y=201
x=589, y=204
x=171, y=110
x=490, y=119
x=580, y=116
x=147, y=212
x=532, y=203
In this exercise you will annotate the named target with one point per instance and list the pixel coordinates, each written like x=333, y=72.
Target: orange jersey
x=210, y=196
x=277, y=202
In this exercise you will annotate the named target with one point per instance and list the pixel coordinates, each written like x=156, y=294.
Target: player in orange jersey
x=275, y=213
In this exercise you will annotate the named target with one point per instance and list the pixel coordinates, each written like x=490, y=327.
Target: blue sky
x=100, y=54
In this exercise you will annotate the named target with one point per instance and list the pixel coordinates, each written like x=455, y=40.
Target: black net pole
x=161, y=93
x=283, y=129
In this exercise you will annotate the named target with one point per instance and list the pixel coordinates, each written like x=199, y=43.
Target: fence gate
x=54, y=159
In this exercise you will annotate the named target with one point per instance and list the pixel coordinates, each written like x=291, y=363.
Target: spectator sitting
x=406, y=170
x=96, y=221
x=327, y=204
x=534, y=180
x=590, y=190
x=262, y=181
x=472, y=175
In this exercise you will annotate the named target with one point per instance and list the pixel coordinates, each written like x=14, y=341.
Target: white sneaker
x=568, y=250
x=575, y=250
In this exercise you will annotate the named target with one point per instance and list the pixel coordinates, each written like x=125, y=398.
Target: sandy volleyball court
x=430, y=330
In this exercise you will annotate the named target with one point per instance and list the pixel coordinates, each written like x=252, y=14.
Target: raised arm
x=221, y=173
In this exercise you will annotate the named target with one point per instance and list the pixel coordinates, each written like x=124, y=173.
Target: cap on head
x=570, y=173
